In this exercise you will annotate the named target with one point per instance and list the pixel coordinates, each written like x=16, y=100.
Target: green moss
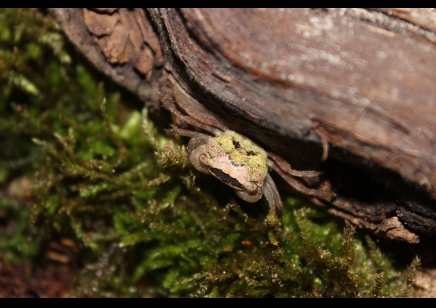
x=15, y=233
x=148, y=223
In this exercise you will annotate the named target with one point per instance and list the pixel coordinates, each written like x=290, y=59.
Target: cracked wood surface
x=350, y=92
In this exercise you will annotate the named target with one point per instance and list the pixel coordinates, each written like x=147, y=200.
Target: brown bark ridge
x=350, y=92
x=118, y=41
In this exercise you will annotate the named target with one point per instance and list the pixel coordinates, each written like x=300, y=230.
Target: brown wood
x=118, y=41
x=353, y=87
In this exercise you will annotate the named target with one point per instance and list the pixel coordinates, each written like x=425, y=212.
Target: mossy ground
x=80, y=163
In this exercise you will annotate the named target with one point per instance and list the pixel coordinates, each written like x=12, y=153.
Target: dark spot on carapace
x=225, y=178
x=236, y=144
x=251, y=153
x=235, y=164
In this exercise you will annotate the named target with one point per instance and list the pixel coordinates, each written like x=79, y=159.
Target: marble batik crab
x=235, y=159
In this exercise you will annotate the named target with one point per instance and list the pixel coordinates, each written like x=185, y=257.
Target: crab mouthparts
x=226, y=179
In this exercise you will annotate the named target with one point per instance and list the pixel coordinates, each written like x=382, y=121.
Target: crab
x=235, y=159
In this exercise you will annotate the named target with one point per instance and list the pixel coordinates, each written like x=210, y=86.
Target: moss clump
x=146, y=222
x=145, y=215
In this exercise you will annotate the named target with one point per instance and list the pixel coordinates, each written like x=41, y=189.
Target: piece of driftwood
x=351, y=92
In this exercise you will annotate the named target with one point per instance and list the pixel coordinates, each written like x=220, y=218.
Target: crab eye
x=203, y=159
x=251, y=188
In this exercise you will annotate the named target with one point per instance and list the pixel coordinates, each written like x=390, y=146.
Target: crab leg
x=187, y=133
x=286, y=167
x=291, y=181
x=192, y=107
x=273, y=197
x=172, y=108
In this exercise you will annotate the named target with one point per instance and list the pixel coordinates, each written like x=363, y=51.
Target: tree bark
x=350, y=92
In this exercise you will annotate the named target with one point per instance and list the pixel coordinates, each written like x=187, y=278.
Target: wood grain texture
x=118, y=41
x=358, y=83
